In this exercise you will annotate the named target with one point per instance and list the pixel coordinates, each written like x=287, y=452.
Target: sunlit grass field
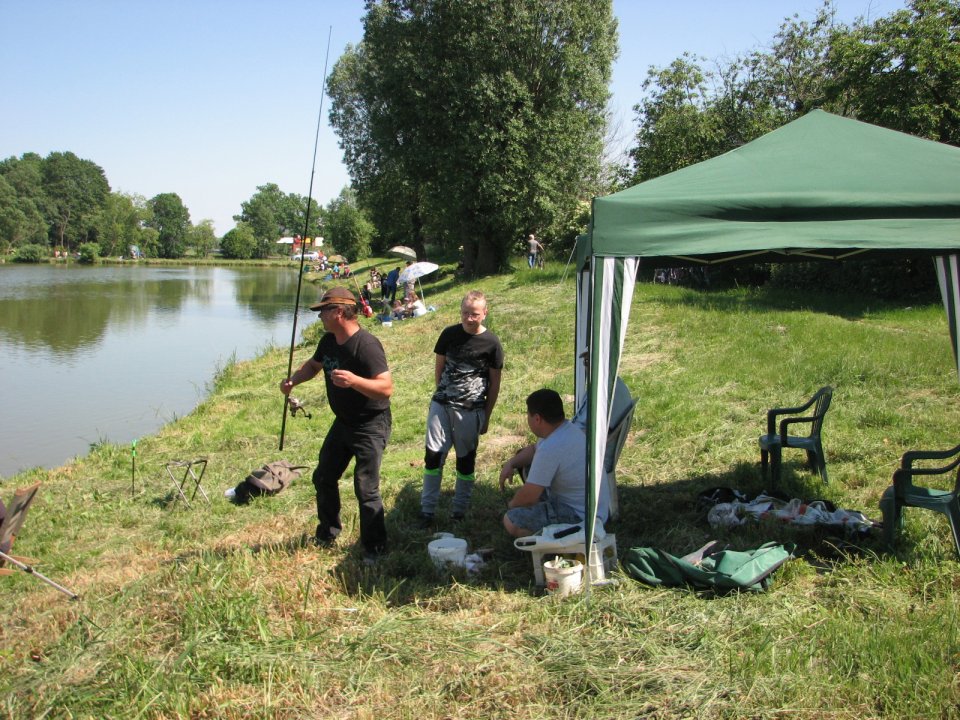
x=220, y=611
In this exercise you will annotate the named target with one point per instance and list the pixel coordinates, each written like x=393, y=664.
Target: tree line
x=65, y=202
x=467, y=125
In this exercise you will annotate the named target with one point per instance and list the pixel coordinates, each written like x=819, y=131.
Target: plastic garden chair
x=772, y=444
x=903, y=493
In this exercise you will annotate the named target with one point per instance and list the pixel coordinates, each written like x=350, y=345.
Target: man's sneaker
x=324, y=541
x=426, y=521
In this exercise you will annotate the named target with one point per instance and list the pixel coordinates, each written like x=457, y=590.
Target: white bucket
x=562, y=581
x=448, y=551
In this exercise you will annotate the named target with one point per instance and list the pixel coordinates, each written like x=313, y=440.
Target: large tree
x=171, y=219
x=20, y=221
x=119, y=223
x=202, y=237
x=902, y=71
x=239, y=243
x=489, y=112
x=347, y=227
x=76, y=190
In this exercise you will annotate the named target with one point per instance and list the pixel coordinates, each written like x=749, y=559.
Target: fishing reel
x=297, y=406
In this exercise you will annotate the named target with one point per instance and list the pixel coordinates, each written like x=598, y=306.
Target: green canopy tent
x=822, y=187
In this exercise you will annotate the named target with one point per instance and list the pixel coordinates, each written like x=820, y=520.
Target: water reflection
x=119, y=350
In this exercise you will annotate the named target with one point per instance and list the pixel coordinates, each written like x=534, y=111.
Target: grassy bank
x=225, y=611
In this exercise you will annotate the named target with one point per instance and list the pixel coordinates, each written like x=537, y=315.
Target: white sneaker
x=230, y=493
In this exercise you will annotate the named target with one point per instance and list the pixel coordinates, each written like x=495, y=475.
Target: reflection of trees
x=269, y=294
x=71, y=309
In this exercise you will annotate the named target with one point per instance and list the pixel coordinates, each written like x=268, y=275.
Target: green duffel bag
x=709, y=568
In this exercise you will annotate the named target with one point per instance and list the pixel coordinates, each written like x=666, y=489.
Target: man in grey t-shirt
x=554, y=490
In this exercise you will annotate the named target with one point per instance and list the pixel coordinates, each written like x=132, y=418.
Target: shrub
x=89, y=253
x=30, y=254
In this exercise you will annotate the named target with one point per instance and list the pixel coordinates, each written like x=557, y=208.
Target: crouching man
x=554, y=487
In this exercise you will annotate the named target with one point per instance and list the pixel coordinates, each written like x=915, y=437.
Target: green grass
x=228, y=612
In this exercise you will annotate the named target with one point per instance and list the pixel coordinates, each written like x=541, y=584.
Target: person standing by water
x=359, y=386
x=467, y=371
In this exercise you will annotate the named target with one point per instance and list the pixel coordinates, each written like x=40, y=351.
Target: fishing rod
x=306, y=230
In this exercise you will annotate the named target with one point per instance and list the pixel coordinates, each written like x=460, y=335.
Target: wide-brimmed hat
x=335, y=296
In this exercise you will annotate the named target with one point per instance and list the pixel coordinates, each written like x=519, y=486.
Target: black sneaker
x=458, y=517
x=426, y=521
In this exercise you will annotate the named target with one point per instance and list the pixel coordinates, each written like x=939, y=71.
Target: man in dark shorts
x=359, y=386
x=469, y=363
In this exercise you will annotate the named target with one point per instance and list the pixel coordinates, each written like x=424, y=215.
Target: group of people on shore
x=469, y=362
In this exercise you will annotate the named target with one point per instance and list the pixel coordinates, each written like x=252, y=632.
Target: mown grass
x=224, y=611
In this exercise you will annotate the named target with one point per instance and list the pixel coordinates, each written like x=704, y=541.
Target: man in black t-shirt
x=359, y=386
x=469, y=362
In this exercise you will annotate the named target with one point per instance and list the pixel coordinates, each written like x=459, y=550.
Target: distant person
x=410, y=286
x=359, y=386
x=467, y=372
x=389, y=287
x=533, y=249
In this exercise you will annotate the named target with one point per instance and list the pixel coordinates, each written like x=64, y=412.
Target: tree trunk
x=469, y=256
x=488, y=258
x=419, y=245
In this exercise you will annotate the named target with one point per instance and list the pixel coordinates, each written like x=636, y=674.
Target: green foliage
x=171, y=219
x=150, y=242
x=239, y=243
x=270, y=215
x=347, y=227
x=902, y=71
x=89, y=253
x=20, y=221
x=30, y=253
x=202, y=238
x=119, y=223
x=474, y=123
x=75, y=190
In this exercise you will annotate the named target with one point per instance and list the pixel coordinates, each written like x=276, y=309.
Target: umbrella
x=336, y=259
x=403, y=251
x=417, y=271
x=413, y=273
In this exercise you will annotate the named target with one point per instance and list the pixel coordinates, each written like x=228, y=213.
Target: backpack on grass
x=268, y=479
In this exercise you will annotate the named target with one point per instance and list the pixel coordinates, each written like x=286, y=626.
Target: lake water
x=111, y=353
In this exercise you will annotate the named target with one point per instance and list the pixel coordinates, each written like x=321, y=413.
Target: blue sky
x=211, y=98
